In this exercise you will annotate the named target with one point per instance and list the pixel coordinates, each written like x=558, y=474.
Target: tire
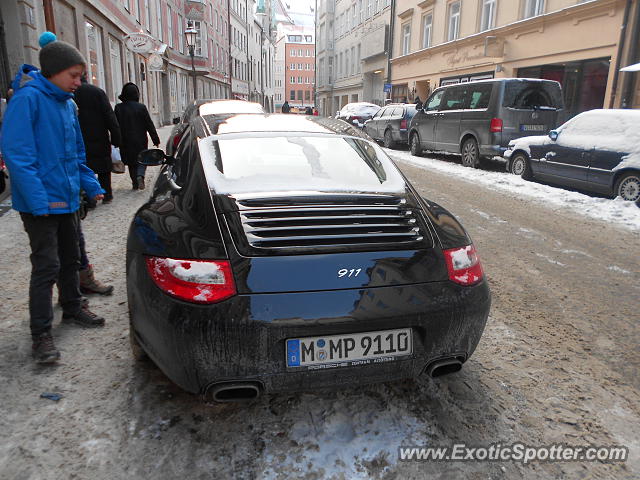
x=389, y=142
x=470, y=153
x=520, y=165
x=628, y=186
x=137, y=351
x=414, y=145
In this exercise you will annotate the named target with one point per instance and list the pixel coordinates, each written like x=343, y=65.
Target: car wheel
x=388, y=139
x=520, y=166
x=628, y=187
x=416, y=148
x=136, y=350
x=470, y=153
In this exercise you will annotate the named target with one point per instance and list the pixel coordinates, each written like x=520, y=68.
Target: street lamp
x=190, y=35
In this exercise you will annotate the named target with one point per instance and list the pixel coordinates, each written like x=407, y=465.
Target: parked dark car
x=596, y=151
x=287, y=252
x=208, y=107
x=391, y=124
x=357, y=113
x=479, y=119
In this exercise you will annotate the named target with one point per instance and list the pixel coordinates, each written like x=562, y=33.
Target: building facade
x=299, y=68
x=353, y=41
x=239, y=49
x=261, y=57
x=143, y=41
x=579, y=43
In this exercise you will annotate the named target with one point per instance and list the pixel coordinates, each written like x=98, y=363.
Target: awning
x=631, y=68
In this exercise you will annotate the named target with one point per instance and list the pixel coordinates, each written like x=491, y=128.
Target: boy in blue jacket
x=44, y=151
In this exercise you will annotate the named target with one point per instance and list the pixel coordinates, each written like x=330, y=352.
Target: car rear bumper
x=491, y=151
x=401, y=136
x=243, y=339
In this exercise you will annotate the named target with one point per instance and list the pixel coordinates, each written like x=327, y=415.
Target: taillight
x=496, y=125
x=463, y=265
x=196, y=281
x=403, y=123
x=176, y=140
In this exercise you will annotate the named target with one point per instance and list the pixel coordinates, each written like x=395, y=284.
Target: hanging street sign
x=140, y=42
x=155, y=63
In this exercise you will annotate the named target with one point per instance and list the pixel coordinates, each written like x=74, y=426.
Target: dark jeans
x=55, y=255
x=84, y=259
x=105, y=183
x=136, y=171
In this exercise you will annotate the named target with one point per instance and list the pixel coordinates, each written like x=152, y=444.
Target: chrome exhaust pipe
x=444, y=366
x=233, y=392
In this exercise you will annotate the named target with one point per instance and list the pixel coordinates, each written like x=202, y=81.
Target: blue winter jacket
x=43, y=148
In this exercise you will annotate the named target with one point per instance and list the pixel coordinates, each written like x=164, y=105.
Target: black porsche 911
x=285, y=252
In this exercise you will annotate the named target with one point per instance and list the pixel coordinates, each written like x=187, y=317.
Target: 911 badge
x=353, y=272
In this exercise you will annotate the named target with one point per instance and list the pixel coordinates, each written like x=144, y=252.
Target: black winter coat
x=135, y=122
x=99, y=126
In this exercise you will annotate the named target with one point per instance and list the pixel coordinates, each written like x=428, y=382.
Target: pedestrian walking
x=418, y=103
x=285, y=107
x=135, y=122
x=100, y=130
x=43, y=148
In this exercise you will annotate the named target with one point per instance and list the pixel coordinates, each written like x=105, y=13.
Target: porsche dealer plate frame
x=348, y=349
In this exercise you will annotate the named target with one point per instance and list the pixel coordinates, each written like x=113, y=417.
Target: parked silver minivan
x=479, y=119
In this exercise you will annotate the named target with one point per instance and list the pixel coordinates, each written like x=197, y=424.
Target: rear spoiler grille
x=327, y=227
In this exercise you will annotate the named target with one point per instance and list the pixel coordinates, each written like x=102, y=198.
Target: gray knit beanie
x=56, y=56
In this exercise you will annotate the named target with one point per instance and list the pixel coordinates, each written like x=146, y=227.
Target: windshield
x=298, y=163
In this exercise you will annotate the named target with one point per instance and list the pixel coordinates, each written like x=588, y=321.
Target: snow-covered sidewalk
x=617, y=211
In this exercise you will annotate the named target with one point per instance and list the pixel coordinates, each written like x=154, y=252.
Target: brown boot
x=89, y=284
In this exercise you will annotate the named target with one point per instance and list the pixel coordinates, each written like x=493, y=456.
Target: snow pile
x=616, y=211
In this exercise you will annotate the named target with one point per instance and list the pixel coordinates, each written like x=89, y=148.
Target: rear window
x=534, y=95
x=298, y=162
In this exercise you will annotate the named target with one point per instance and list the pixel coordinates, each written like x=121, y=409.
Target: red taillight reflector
x=463, y=265
x=403, y=123
x=196, y=281
x=176, y=140
x=496, y=125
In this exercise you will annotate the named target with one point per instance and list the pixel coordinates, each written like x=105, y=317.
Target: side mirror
x=176, y=120
x=553, y=135
x=152, y=157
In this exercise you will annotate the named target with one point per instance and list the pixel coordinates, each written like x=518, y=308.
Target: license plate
x=532, y=128
x=347, y=350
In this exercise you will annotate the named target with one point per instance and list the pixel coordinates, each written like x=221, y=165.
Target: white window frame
x=169, y=26
x=533, y=8
x=159, y=19
x=115, y=57
x=427, y=29
x=406, y=38
x=99, y=65
x=453, y=20
x=488, y=15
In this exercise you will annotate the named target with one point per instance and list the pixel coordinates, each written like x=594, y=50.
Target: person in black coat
x=135, y=123
x=100, y=130
x=285, y=107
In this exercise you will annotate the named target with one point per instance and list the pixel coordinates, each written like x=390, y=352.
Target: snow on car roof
x=222, y=107
x=284, y=123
